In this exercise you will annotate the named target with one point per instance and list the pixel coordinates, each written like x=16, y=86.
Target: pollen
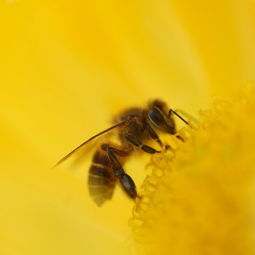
x=198, y=196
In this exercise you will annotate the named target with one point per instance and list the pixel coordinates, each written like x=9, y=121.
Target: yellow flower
x=66, y=68
x=198, y=198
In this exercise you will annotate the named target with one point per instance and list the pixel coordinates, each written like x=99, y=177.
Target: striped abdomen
x=101, y=180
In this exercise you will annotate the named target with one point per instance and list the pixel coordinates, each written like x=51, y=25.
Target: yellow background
x=65, y=68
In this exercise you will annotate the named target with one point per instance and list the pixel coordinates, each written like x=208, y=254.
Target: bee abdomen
x=101, y=180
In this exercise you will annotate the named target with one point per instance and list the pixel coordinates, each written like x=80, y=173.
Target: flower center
x=198, y=195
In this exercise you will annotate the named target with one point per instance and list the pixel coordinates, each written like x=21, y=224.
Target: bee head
x=158, y=115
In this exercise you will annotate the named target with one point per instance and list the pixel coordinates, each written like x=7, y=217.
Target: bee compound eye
x=156, y=117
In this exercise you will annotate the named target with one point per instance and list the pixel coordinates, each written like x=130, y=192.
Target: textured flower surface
x=66, y=67
x=199, y=197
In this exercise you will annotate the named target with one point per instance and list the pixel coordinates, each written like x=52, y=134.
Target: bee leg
x=121, y=153
x=153, y=134
x=128, y=185
x=140, y=145
x=125, y=180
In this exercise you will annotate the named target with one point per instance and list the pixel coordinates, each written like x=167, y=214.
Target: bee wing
x=91, y=141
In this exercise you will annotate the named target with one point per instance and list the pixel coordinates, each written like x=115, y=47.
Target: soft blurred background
x=66, y=67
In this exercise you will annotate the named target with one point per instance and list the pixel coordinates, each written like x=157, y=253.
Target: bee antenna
x=90, y=139
x=179, y=116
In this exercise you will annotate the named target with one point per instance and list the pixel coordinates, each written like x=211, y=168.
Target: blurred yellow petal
x=66, y=68
x=222, y=33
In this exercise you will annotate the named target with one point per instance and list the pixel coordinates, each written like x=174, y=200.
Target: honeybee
x=134, y=127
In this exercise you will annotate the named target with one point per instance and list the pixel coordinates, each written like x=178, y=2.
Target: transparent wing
x=89, y=144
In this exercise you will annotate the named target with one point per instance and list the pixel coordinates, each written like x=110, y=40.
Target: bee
x=134, y=127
